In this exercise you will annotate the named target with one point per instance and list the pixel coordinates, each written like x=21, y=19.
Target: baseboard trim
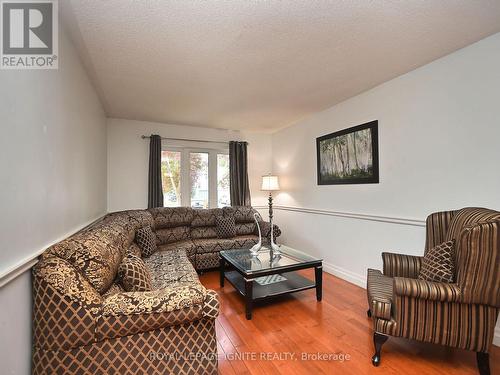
x=346, y=275
x=18, y=268
x=353, y=215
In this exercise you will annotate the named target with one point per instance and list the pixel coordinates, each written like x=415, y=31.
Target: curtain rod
x=186, y=140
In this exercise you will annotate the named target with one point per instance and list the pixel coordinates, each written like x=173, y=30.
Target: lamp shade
x=270, y=183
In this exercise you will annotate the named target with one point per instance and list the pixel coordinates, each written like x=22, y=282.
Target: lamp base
x=273, y=246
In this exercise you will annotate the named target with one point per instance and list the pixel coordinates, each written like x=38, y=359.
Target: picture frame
x=349, y=156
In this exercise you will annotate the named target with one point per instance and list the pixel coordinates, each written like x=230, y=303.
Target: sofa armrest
x=66, y=306
x=127, y=314
x=426, y=290
x=401, y=265
x=155, y=301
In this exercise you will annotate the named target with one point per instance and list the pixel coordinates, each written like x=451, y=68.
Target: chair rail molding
x=353, y=215
x=11, y=272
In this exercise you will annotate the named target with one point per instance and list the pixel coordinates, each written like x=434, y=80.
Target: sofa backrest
x=244, y=218
x=171, y=224
x=97, y=250
x=204, y=223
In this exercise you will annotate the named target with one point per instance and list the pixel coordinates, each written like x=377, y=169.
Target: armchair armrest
x=426, y=290
x=401, y=265
x=134, y=312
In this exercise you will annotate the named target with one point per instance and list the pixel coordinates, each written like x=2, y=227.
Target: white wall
x=52, y=180
x=128, y=157
x=439, y=128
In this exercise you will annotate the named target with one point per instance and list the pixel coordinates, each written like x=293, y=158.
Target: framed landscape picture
x=349, y=156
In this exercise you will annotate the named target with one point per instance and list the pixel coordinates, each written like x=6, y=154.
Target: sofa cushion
x=206, y=217
x=379, y=289
x=207, y=261
x=225, y=227
x=187, y=246
x=468, y=217
x=210, y=245
x=437, y=264
x=171, y=268
x=146, y=240
x=134, y=275
x=168, y=235
x=169, y=217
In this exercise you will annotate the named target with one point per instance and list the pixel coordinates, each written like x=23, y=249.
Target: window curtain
x=155, y=189
x=238, y=174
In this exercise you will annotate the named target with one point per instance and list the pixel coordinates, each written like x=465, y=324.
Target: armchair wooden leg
x=483, y=363
x=369, y=313
x=378, y=340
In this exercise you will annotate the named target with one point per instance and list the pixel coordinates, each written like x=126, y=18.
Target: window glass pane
x=199, y=179
x=171, y=178
x=223, y=180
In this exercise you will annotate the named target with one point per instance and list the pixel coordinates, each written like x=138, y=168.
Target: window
x=223, y=180
x=195, y=177
x=171, y=178
x=198, y=169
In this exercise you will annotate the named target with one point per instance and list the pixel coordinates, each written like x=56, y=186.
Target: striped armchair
x=461, y=314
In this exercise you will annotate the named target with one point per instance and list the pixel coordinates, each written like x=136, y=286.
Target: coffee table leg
x=222, y=264
x=318, y=271
x=248, y=298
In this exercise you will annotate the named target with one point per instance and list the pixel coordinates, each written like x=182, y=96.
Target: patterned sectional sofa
x=195, y=231
x=83, y=320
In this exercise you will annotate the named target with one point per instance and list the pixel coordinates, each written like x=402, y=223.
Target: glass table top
x=262, y=262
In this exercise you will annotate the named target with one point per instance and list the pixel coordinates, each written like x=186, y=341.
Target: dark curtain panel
x=238, y=174
x=155, y=190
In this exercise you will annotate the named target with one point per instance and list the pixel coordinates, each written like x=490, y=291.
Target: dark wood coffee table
x=268, y=275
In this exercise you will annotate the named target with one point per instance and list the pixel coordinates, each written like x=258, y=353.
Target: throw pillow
x=146, y=240
x=133, y=274
x=437, y=264
x=226, y=227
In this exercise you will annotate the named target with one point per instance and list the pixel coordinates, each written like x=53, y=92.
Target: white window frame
x=185, y=168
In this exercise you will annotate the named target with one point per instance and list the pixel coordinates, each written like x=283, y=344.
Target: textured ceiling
x=260, y=65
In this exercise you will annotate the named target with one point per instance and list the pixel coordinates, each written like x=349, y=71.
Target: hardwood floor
x=296, y=324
